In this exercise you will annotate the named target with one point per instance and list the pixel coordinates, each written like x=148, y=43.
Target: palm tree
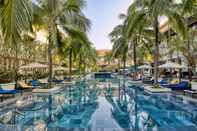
x=189, y=9
x=146, y=13
x=88, y=57
x=64, y=15
x=120, y=46
x=15, y=21
x=72, y=46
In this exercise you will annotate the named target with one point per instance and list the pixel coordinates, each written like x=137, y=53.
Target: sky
x=104, y=17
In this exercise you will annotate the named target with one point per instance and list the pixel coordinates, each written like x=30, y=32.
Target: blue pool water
x=101, y=106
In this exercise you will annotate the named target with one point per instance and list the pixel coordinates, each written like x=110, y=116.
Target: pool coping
x=55, y=89
x=156, y=90
x=52, y=90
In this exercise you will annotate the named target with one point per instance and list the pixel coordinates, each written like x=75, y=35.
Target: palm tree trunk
x=118, y=66
x=156, y=52
x=134, y=58
x=189, y=63
x=124, y=67
x=50, y=45
x=16, y=65
x=84, y=70
x=124, y=71
x=180, y=70
x=80, y=62
x=70, y=63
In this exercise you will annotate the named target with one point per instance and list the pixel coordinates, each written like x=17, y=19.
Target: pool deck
x=156, y=90
x=55, y=89
x=194, y=85
x=52, y=90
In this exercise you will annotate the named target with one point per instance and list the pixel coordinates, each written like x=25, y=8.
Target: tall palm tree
x=72, y=46
x=147, y=13
x=15, y=21
x=189, y=9
x=87, y=57
x=120, y=46
x=62, y=15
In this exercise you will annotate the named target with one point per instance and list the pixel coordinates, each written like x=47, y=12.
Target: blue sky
x=104, y=16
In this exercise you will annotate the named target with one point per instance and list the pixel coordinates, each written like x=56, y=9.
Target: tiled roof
x=102, y=52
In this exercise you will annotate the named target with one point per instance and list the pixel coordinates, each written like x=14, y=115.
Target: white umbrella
x=171, y=65
x=145, y=67
x=60, y=68
x=34, y=66
x=22, y=72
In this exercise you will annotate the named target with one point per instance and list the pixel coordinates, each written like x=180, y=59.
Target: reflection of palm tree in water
x=133, y=98
x=80, y=114
x=119, y=110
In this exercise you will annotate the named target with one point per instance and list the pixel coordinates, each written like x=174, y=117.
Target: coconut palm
x=62, y=16
x=146, y=13
x=120, y=46
x=72, y=47
x=87, y=58
x=189, y=10
x=15, y=21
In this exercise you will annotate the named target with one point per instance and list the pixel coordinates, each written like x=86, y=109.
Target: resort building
x=169, y=53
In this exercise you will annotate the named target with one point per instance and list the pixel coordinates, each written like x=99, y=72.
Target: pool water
x=100, y=106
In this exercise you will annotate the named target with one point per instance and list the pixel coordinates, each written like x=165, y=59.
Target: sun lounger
x=43, y=81
x=165, y=81
x=148, y=81
x=7, y=86
x=23, y=85
x=35, y=83
x=58, y=81
x=180, y=86
x=7, y=89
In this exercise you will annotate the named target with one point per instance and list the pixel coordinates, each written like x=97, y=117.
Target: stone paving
x=194, y=85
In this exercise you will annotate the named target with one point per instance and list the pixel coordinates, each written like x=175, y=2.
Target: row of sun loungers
x=181, y=86
x=9, y=89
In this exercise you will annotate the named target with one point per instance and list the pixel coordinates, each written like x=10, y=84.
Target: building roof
x=102, y=52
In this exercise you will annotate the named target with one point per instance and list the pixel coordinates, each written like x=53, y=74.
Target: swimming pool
x=87, y=106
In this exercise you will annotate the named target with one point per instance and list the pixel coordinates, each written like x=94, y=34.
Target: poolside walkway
x=194, y=85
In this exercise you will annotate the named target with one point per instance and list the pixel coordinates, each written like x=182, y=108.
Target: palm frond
x=15, y=17
x=178, y=24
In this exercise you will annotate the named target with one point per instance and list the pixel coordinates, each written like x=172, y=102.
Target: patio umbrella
x=171, y=65
x=145, y=67
x=60, y=68
x=34, y=66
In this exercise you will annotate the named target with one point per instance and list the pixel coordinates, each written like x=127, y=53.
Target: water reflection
x=87, y=104
x=70, y=109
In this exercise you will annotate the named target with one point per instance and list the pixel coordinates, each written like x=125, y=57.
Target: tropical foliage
x=141, y=29
x=62, y=21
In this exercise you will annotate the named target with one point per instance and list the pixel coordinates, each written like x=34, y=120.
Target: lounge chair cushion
x=35, y=83
x=181, y=86
x=24, y=85
x=8, y=91
x=174, y=81
x=7, y=86
x=58, y=81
